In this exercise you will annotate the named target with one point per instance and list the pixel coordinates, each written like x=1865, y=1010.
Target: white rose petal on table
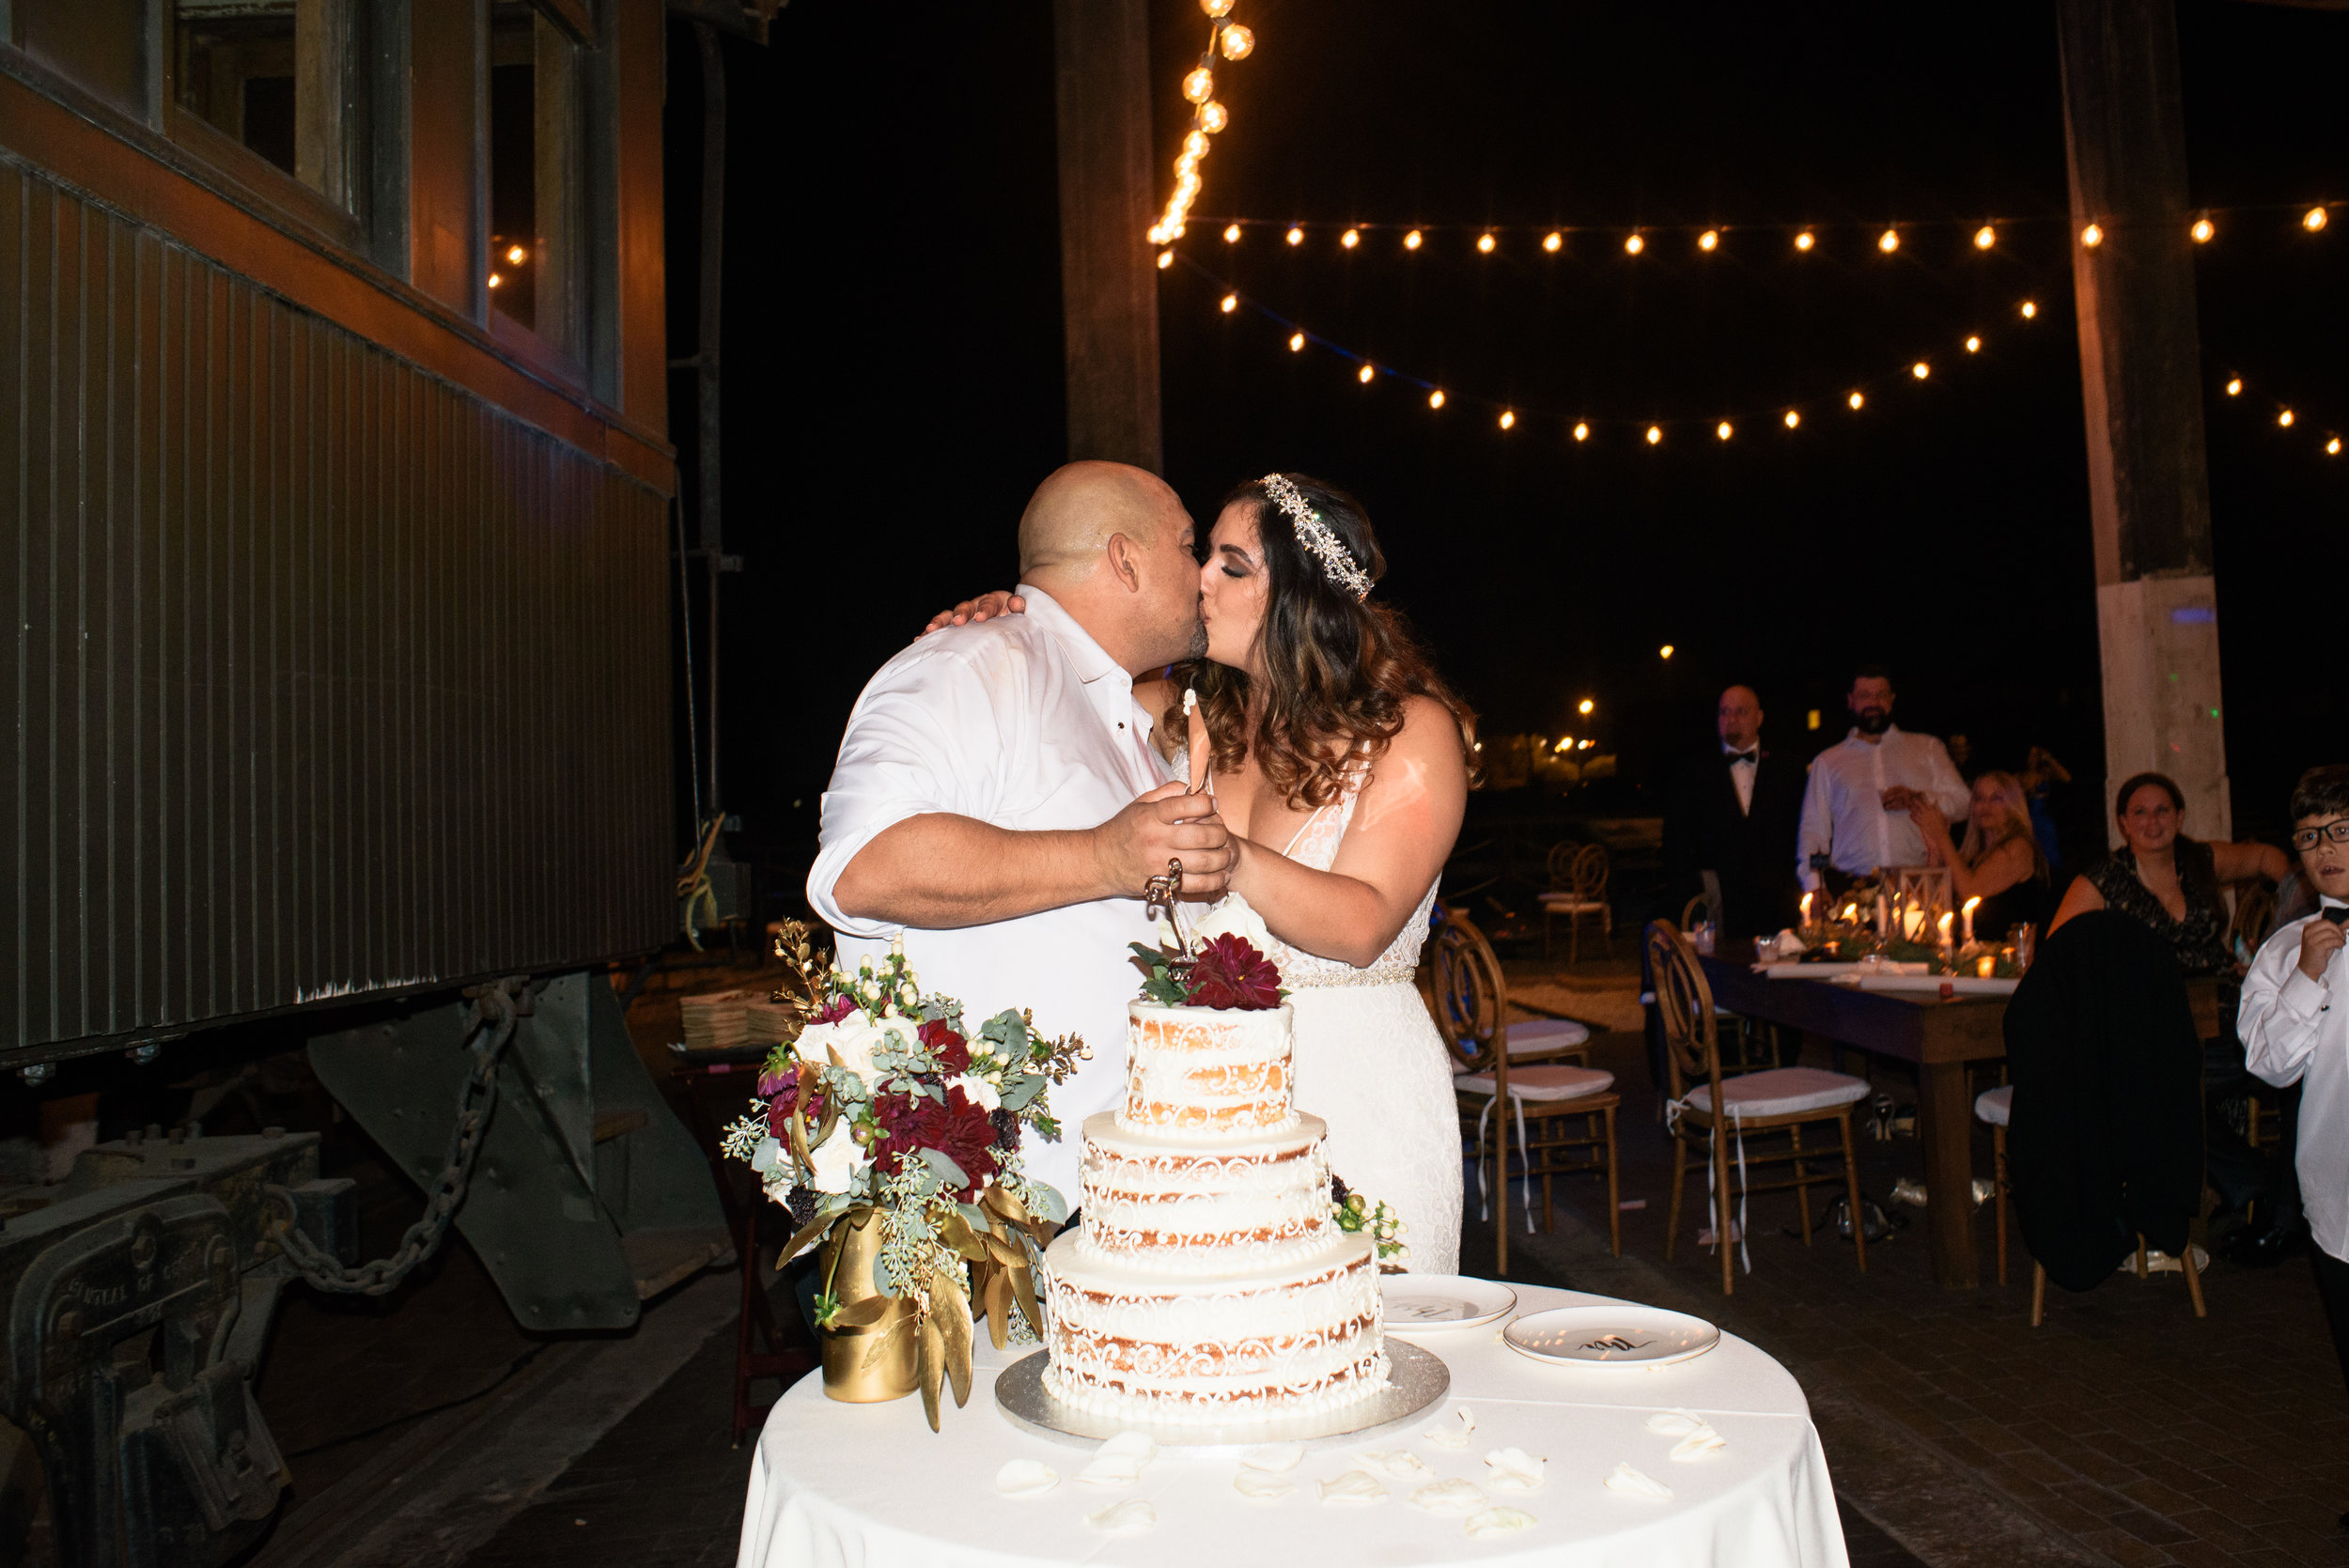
x=1276, y=1458
x=1701, y=1444
x=1026, y=1478
x=1636, y=1483
x=1513, y=1469
x=1262, y=1487
x=1498, y=1521
x=1446, y=1435
x=1352, y=1488
x=1449, y=1496
x=1399, y=1463
x=1110, y=1469
x=1131, y=1517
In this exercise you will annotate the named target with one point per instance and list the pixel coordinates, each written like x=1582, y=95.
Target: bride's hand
x=985, y=607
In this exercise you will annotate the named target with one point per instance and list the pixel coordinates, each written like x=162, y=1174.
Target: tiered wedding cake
x=1206, y=1284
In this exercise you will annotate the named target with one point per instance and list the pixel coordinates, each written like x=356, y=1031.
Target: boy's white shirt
x=2293, y=1033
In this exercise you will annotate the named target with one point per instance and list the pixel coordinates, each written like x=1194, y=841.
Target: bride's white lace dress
x=1370, y=1062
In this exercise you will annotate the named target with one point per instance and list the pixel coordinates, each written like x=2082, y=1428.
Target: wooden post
x=2140, y=374
x=1109, y=277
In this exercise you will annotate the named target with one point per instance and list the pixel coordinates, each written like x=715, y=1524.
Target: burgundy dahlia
x=952, y=1050
x=1229, y=973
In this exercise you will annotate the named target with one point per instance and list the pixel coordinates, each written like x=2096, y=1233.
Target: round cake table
x=839, y=1486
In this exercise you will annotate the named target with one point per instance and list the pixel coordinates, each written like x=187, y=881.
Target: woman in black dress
x=2167, y=881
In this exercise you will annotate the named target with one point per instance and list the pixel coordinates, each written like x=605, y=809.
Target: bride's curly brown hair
x=1339, y=668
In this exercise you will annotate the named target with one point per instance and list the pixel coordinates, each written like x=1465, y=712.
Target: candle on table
x=1806, y=910
x=1970, y=918
x=1884, y=915
x=1943, y=925
x=1986, y=966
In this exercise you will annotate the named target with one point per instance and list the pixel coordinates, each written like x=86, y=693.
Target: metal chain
x=497, y=1010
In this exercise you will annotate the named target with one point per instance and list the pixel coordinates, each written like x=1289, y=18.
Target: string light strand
x=1208, y=117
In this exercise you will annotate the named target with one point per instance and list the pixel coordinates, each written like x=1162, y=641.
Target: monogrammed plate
x=1442, y=1301
x=1618, y=1334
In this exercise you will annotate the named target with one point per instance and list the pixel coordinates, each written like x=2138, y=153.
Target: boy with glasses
x=2293, y=1033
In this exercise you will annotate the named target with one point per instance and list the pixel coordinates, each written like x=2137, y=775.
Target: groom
x=997, y=802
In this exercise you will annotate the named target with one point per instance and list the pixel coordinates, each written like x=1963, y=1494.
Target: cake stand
x=1416, y=1380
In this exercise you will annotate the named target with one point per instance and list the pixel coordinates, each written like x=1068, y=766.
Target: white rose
x=977, y=1091
x=853, y=1039
x=838, y=1160
x=1234, y=917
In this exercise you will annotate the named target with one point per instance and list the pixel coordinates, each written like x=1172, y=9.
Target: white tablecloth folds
x=870, y=1486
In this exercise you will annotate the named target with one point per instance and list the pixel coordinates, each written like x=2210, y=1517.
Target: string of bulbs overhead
x=1582, y=429
x=1208, y=117
x=2288, y=418
x=1707, y=239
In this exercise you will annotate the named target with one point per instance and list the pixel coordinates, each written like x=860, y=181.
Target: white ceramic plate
x=1615, y=1335
x=1442, y=1301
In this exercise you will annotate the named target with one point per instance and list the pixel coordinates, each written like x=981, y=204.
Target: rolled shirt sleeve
x=1942, y=783
x=933, y=733
x=2281, y=1009
x=1818, y=831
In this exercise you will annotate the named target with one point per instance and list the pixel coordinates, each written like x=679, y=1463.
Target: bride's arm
x=1403, y=831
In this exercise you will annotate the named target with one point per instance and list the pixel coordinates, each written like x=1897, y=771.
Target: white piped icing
x=1207, y=1285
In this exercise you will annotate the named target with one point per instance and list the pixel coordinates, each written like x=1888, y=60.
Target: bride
x=1340, y=765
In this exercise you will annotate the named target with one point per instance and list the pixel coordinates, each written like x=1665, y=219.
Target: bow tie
x=1753, y=757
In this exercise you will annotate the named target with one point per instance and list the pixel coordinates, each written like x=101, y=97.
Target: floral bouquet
x=1355, y=1213
x=890, y=1129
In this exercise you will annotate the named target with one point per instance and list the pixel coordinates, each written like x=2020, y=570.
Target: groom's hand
x=1167, y=824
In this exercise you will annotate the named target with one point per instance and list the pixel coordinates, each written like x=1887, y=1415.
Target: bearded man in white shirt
x=997, y=802
x=2294, y=1024
x=1855, y=812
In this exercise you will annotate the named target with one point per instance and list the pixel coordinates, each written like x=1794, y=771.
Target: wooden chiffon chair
x=1752, y=1105
x=1564, y=1115
x=1577, y=890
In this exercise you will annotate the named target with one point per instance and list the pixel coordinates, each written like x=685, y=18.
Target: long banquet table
x=869, y=1485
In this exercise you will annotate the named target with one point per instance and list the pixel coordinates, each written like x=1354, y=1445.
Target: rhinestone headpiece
x=1316, y=537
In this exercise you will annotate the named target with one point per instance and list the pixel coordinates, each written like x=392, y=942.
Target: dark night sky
x=893, y=354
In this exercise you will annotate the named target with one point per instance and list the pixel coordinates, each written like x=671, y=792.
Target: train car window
x=277, y=77
x=536, y=277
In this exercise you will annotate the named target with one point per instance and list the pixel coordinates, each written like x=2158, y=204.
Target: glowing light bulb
x=2332, y=447
x=1793, y=419
x=2091, y=236
x=1297, y=343
x=1723, y=429
x=1218, y=9
x=2235, y=387
x=1485, y=242
x=1584, y=706
x=1856, y=401
x=1553, y=241
x=1199, y=85
x=1411, y=241
x=1238, y=42
x=1804, y=240
x=1194, y=143
x=1213, y=117
x=495, y=280
x=2029, y=310
x=1633, y=245
x=1231, y=234
x=1365, y=373
x=1508, y=419
x=1231, y=303
x=516, y=255
x=2315, y=220
x=1664, y=652
x=1435, y=398
x=1350, y=238
x=1709, y=239
x=1294, y=236
x=1655, y=434
x=1921, y=370
x=1973, y=345
x=1889, y=241
x=1166, y=259
x=1985, y=237
x=2201, y=231
x=1582, y=432
x=2285, y=419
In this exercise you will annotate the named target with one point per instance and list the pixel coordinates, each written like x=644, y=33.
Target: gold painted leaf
x=932, y=1357
x=951, y=1310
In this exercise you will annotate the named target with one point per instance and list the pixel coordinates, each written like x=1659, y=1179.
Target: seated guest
x=1999, y=862
x=2291, y=1034
x=2166, y=880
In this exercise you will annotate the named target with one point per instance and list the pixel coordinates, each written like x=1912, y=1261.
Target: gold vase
x=851, y=1373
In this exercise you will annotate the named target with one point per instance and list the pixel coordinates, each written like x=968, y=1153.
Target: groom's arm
x=939, y=871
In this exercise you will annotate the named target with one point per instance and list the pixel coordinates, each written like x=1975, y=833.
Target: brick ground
x=2122, y=1426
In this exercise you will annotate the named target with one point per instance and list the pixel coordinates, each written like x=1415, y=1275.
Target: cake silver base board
x=1416, y=1380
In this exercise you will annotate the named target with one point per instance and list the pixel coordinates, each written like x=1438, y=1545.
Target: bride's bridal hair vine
x=1316, y=535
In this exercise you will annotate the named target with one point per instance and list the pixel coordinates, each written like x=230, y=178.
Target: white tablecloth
x=871, y=1486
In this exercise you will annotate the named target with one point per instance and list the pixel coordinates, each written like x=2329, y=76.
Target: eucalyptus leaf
x=943, y=1168
x=1019, y=1090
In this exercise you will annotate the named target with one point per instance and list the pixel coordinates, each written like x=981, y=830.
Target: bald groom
x=997, y=802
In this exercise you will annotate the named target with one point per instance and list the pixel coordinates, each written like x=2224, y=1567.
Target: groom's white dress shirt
x=1843, y=808
x=1021, y=721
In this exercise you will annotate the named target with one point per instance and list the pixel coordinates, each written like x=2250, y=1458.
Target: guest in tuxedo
x=1733, y=812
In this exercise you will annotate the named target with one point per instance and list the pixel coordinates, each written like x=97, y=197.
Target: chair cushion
x=1781, y=1092
x=1567, y=903
x=1533, y=1084
x=1546, y=1034
x=1994, y=1106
